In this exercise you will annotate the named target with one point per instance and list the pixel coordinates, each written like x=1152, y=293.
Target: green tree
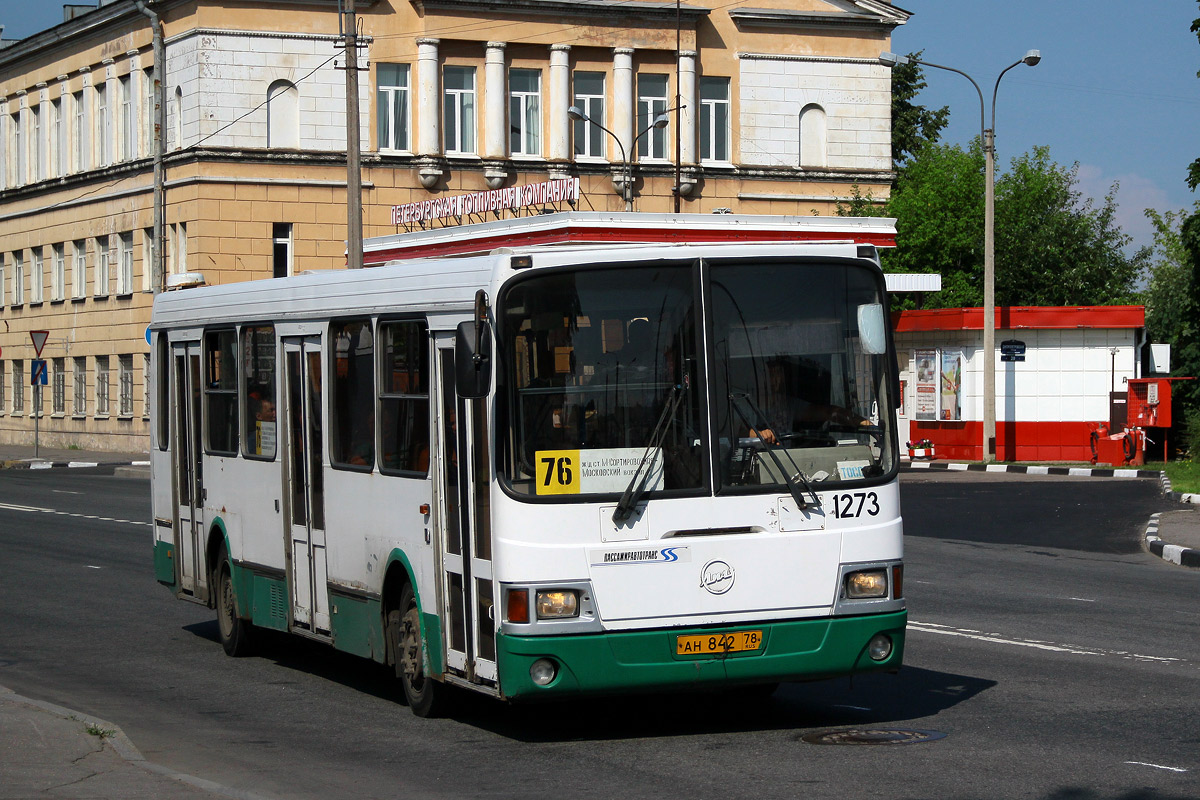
x=913, y=126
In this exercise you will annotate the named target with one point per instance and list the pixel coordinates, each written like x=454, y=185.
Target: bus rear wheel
x=235, y=633
x=425, y=696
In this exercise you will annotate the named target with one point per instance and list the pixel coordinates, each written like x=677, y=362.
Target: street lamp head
x=890, y=60
x=576, y=113
x=1032, y=58
x=660, y=121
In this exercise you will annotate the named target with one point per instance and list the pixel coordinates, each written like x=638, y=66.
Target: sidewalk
x=14, y=456
x=48, y=751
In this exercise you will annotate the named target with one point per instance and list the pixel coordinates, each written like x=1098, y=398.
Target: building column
x=559, y=141
x=429, y=112
x=495, y=106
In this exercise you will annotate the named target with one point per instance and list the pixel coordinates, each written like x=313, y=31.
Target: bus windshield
x=601, y=390
x=601, y=374
x=800, y=375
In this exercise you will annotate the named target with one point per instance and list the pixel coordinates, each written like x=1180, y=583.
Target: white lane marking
x=64, y=491
x=1056, y=647
x=91, y=566
x=38, y=510
x=1155, y=766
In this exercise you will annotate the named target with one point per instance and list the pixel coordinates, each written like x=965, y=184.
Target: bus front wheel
x=236, y=636
x=425, y=695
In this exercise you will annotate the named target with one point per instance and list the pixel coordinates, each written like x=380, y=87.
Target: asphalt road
x=1058, y=660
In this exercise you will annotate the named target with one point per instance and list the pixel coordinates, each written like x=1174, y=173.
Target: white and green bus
x=546, y=471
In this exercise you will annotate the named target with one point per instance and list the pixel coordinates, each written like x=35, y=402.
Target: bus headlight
x=868, y=583
x=557, y=603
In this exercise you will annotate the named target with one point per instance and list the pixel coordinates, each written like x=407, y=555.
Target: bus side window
x=352, y=395
x=220, y=391
x=258, y=396
x=404, y=397
x=162, y=380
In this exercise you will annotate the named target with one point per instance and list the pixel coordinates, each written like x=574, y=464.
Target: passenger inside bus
x=784, y=410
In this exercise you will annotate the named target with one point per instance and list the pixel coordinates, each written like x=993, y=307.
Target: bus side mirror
x=473, y=359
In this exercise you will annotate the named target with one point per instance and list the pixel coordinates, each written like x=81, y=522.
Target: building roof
x=1014, y=317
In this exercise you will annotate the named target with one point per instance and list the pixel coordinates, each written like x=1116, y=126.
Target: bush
x=1191, y=433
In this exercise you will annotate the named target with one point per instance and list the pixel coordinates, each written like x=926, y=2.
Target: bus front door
x=189, y=479
x=303, y=460
x=465, y=547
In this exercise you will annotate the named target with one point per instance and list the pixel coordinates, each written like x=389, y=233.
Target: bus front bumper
x=637, y=661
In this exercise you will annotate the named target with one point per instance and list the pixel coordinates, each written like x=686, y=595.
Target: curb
x=38, y=464
x=114, y=736
x=1183, y=556
x=1085, y=472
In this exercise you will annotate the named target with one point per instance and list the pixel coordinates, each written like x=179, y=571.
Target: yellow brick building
x=772, y=106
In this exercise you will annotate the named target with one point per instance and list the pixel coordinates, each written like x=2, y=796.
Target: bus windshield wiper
x=637, y=483
x=740, y=398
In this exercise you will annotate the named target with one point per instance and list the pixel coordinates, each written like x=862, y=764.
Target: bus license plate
x=726, y=642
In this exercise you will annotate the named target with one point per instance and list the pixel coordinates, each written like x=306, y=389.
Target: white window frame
x=590, y=142
x=715, y=138
x=38, y=144
x=79, y=386
x=393, y=107
x=78, y=133
x=145, y=386
x=18, y=293
x=457, y=105
x=652, y=145
x=18, y=150
x=103, y=266
x=3, y=385
x=18, y=386
x=58, y=387
x=525, y=113
x=102, y=386
x=103, y=125
x=58, y=273
x=79, y=269
x=125, y=265
x=37, y=277
x=128, y=126
x=58, y=141
x=125, y=386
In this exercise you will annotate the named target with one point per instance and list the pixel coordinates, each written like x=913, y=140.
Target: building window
x=352, y=398
x=459, y=108
x=59, y=273
x=813, y=150
x=714, y=119
x=147, y=257
x=37, y=276
x=78, y=134
x=125, y=385
x=79, y=268
x=151, y=118
x=283, y=121
x=39, y=144
x=589, y=97
x=525, y=111
x=2, y=275
x=3, y=381
x=102, y=266
x=180, y=251
x=178, y=128
x=220, y=391
x=392, y=106
x=79, y=380
x=281, y=258
x=125, y=265
x=128, y=129
x=101, y=386
x=404, y=397
x=18, y=386
x=18, y=293
x=104, y=142
x=18, y=150
x=58, y=385
x=146, y=386
x=652, y=101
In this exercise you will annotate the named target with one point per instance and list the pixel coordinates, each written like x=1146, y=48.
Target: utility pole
x=354, y=231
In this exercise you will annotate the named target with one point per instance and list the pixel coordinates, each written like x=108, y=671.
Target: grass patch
x=1184, y=475
x=96, y=730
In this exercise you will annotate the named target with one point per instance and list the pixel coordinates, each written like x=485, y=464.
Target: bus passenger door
x=465, y=548
x=303, y=460
x=189, y=480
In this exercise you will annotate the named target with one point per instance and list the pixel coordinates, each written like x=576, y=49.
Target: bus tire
x=425, y=695
x=236, y=634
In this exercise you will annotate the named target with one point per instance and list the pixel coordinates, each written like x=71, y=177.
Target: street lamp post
x=988, y=140
x=660, y=121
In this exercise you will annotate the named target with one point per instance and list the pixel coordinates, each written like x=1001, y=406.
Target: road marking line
x=10, y=507
x=1156, y=766
x=35, y=509
x=1056, y=647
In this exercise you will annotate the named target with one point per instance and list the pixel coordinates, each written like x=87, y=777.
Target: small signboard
x=37, y=372
x=1012, y=350
x=39, y=341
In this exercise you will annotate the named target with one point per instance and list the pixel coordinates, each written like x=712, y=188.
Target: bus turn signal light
x=518, y=605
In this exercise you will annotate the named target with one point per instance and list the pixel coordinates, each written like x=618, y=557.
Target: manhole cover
x=871, y=736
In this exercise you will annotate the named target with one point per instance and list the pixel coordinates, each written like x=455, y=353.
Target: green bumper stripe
x=164, y=563
x=646, y=660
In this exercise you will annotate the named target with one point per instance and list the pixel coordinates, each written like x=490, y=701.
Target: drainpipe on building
x=158, y=254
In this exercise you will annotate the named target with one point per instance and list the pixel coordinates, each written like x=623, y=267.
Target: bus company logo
x=717, y=577
x=668, y=555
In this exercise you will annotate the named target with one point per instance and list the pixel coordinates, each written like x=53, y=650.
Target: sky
x=1116, y=90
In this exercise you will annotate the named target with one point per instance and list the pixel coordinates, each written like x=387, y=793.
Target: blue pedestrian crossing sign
x=37, y=372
